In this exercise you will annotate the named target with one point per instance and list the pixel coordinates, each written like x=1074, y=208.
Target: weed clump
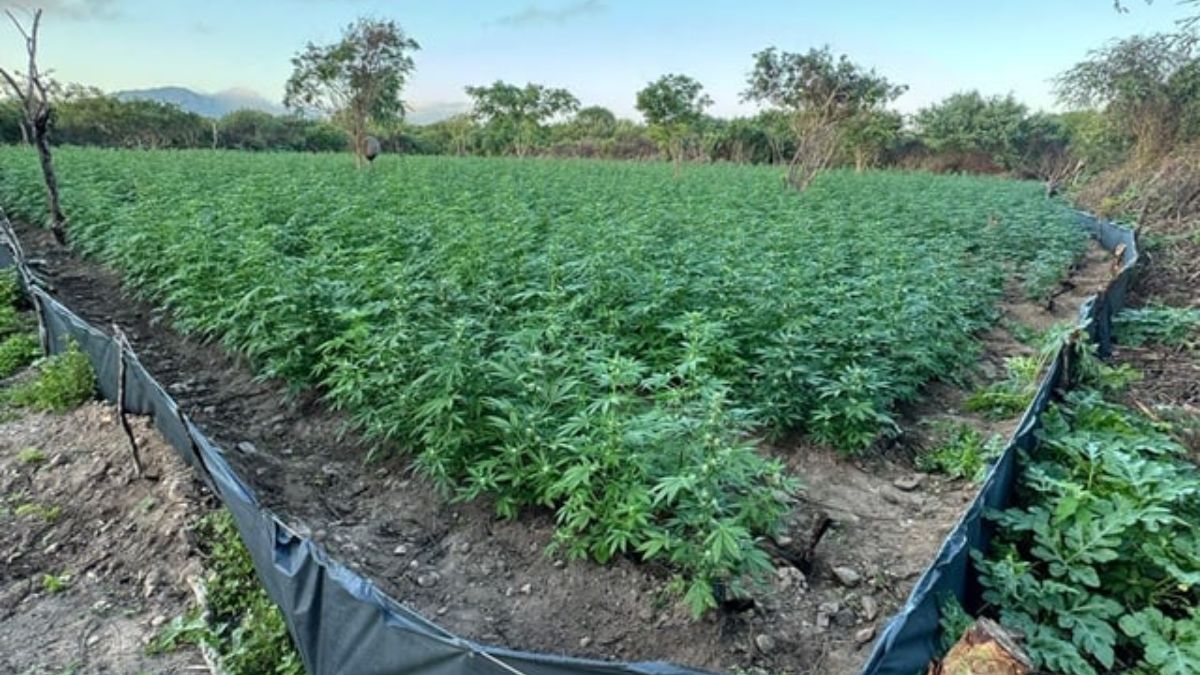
x=16, y=352
x=64, y=381
x=242, y=624
x=962, y=453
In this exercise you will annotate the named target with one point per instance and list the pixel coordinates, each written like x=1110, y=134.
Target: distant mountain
x=436, y=111
x=208, y=105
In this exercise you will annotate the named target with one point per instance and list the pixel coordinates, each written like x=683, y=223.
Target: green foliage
x=10, y=294
x=953, y=620
x=10, y=290
x=1009, y=397
x=245, y=628
x=31, y=456
x=963, y=452
x=1147, y=85
x=514, y=116
x=18, y=351
x=64, y=381
x=1170, y=326
x=355, y=81
x=50, y=514
x=600, y=339
x=999, y=127
x=55, y=583
x=672, y=106
x=1102, y=535
x=1169, y=646
x=816, y=83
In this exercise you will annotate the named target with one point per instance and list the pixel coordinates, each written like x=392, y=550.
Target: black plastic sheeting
x=342, y=623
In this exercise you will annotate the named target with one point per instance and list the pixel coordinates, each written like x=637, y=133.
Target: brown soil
x=494, y=582
x=118, y=543
x=1170, y=384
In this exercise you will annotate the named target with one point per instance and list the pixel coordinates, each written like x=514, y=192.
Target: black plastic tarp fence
x=342, y=623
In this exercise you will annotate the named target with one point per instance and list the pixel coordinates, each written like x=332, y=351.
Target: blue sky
x=602, y=50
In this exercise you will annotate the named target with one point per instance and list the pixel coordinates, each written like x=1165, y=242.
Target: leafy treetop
x=356, y=80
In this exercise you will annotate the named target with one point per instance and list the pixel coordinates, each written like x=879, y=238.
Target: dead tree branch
x=35, y=104
x=123, y=347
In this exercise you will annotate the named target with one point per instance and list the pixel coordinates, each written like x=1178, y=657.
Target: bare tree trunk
x=42, y=140
x=35, y=103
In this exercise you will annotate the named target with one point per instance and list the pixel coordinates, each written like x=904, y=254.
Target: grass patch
x=1169, y=326
x=31, y=456
x=18, y=351
x=962, y=453
x=56, y=583
x=64, y=381
x=50, y=514
x=244, y=627
x=1009, y=397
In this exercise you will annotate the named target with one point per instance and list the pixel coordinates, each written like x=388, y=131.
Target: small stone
x=151, y=583
x=825, y=613
x=865, y=635
x=400, y=549
x=101, y=606
x=765, y=643
x=585, y=642
x=785, y=541
x=526, y=589
x=508, y=592
x=847, y=576
x=909, y=483
x=559, y=564
x=427, y=580
x=246, y=448
x=461, y=547
x=286, y=452
x=414, y=564
x=158, y=620
x=791, y=578
x=93, y=639
x=870, y=608
x=442, y=610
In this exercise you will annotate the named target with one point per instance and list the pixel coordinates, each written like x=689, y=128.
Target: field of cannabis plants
x=598, y=338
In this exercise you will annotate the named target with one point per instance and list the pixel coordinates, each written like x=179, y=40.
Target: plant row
x=598, y=339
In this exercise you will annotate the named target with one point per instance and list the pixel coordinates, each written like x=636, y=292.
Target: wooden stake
x=122, y=343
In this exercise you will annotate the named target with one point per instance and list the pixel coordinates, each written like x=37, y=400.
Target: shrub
x=18, y=351
x=64, y=381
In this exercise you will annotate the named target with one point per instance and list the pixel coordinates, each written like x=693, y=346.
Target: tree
x=34, y=97
x=869, y=134
x=594, y=122
x=355, y=81
x=672, y=106
x=818, y=94
x=1148, y=85
x=967, y=123
x=514, y=116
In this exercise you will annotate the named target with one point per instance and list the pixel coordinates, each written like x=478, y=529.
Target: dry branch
x=123, y=346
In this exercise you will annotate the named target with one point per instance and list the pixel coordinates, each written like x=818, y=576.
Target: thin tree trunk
x=42, y=140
